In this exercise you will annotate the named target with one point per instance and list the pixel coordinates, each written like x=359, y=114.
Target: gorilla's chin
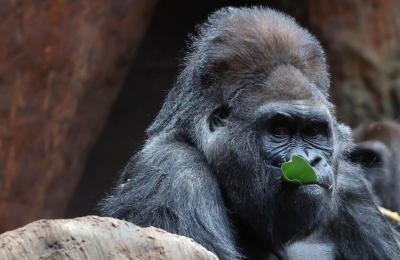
x=301, y=209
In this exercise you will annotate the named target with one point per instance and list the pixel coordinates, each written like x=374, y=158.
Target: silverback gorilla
x=252, y=93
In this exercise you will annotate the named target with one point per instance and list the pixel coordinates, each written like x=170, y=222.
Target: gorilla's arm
x=169, y=185
x=360, y=231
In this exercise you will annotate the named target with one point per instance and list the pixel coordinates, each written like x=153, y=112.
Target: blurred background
x=81, y=80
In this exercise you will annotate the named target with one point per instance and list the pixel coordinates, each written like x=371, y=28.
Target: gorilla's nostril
x=315, y=161
x=276, y=163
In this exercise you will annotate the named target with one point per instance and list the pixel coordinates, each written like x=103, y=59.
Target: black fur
x=378, y=151
x=202, y=174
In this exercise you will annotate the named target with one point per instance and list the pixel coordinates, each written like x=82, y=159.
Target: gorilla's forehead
x=284, y=84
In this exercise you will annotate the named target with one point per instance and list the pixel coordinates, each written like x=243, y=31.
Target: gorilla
x=253, y=91
x=378, y=151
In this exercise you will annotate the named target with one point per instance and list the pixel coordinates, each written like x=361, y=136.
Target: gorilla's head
x=378, y=151
x=253, y=93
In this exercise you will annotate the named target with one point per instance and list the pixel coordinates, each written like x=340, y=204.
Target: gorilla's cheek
x=232, y=150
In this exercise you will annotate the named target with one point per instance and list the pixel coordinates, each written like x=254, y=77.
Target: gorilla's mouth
x=325, y=186
x=288, y=185
x=325, y=179
x=291, y=187
x=313, y=192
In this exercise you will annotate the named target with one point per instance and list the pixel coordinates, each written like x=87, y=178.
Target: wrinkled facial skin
x=285, y=130
x=248, y=146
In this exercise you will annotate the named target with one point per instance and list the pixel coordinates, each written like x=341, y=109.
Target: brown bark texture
x=61, y=65
x=98, y=238
x=362, y=39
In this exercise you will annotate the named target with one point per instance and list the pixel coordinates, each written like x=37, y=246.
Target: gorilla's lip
x=306, y=193
x=290, y=185
x=325, y=186
x=324, y=180
x=322, y=185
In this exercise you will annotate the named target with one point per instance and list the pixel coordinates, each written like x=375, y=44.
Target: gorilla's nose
x=312, y=158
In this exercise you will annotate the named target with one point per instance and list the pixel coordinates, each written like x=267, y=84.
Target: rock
x=97, y=238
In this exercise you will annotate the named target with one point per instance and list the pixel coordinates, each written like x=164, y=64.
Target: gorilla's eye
x=218, y=117
x=311, y=131
x=280, y=131
x=316, y=129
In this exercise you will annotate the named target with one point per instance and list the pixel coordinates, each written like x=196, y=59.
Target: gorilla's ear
x=218, y=117
x=368, y=154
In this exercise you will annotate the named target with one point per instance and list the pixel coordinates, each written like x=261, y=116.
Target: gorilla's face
x=249, y=140
x=284, y=130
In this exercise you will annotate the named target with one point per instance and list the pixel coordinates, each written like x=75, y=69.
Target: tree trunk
x=96, y=238
x=362, y=42
x=61, y=65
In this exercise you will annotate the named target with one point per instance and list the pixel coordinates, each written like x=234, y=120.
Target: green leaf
x=298, y=171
